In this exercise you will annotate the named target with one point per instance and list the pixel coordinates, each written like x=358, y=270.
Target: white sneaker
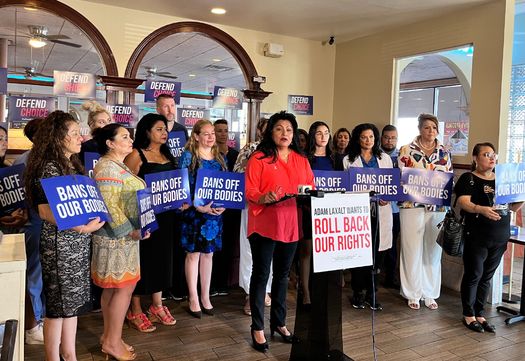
x=35, y=336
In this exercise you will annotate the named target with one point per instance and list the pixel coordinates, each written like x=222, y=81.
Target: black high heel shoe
x=291, y=338
x=261, y=347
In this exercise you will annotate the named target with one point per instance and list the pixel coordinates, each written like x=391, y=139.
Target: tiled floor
x=400, y=334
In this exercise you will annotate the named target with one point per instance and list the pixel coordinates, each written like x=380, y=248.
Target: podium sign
x=341, y=231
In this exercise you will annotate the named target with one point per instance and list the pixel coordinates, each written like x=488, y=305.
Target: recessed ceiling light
x=30, y=9
x=191, y=75
x=218, y=11
x=216, y=59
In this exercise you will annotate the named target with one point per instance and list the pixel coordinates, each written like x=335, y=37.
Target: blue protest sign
x=383, y=181
x=426, y=186
x=510, y=183
x=331, y=181
x=3, y=80
x=148, y=221
x=74, y=200
x=301, y=104
x=23, y=109
x=169, y=190
x=189, y=116
x=154, y=88
x=225, y=189
x=72, y=84
x=227, y=98
x=176, y=143
x=12, y=191
x=90, y=161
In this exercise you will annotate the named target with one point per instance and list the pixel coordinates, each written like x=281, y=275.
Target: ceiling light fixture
x=216, y=60
x=218, y=11
x=191, y=75
x=37, y=42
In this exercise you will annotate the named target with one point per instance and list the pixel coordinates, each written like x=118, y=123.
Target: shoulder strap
x=142, y=156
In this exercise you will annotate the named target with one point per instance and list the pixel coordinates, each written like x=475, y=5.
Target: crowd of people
x=271, y=237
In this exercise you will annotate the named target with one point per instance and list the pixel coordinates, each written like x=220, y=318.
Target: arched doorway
x=167, y=35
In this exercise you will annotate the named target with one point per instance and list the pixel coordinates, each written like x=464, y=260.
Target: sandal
x=413, y=304
x=155, y=314
x=431, y=304
x=140, y=322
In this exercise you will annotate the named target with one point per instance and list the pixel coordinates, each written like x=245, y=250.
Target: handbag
x=451, y=236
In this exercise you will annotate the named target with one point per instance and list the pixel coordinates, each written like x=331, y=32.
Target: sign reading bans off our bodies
x=341, y=231
x=74, y=200
x=510, y=183
x=225, y=189
x=383, y=181
x=426, y=186
x=148, y=221
x=12, y=191
x=169, y=190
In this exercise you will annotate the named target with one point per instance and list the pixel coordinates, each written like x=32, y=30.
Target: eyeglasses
x=3, y=139
x=490, y=155
x=389, y=138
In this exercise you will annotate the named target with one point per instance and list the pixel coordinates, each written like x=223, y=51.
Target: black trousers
x=391, y=259
x=480, y=261
x=362, y=276
x=264, y=250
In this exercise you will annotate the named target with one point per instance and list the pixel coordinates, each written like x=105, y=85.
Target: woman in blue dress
x=202, y=225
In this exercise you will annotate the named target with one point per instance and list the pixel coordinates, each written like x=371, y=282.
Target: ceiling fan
x=38, y=36
x=151, y=72
x=29, y=72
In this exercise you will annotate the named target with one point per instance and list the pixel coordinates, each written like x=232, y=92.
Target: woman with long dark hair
x=341, y=143
x=274, y=171
x=151, y=155
x=64, y=254
x=365, y=152
x=487, y=230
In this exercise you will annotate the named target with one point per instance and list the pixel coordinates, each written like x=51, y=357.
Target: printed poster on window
x=123, y=114
x=341, y=231
x=189, y=116
x=227, y=98
x=455, y=136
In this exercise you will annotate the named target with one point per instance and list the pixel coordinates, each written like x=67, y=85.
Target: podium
x=319, y=325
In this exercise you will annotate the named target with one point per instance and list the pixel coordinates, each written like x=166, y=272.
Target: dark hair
x=220, y=121
x=310, y=146
x=305, y=134
x=477, y=149
x=31, y=128
x=424, y=117
x=388, y=128
x=2, y=159
x=101, y=135
x=48, y=146
x=354, y=148
x=142, y=138
x=267, y=145
x=260, y=126
x=336, y=135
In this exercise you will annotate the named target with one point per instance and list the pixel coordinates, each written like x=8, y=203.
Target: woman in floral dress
x=202, y=226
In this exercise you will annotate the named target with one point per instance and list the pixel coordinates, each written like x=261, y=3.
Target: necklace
x=426, y=148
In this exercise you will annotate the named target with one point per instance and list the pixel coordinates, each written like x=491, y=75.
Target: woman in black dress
x=487, y=227
x=151, y=155
x=64, y=254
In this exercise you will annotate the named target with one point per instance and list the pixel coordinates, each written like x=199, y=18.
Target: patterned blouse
x=118, y=186
x=244, y=155
x=413, y=156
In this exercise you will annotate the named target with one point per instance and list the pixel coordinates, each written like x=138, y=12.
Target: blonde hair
x=193, y=147
x=94, y=109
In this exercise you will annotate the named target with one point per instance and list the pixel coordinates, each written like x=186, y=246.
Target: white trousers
x=245, y=261
x=420, y=257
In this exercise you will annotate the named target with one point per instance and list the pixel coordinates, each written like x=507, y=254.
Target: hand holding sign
x=92, y=226
x=209, y=210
